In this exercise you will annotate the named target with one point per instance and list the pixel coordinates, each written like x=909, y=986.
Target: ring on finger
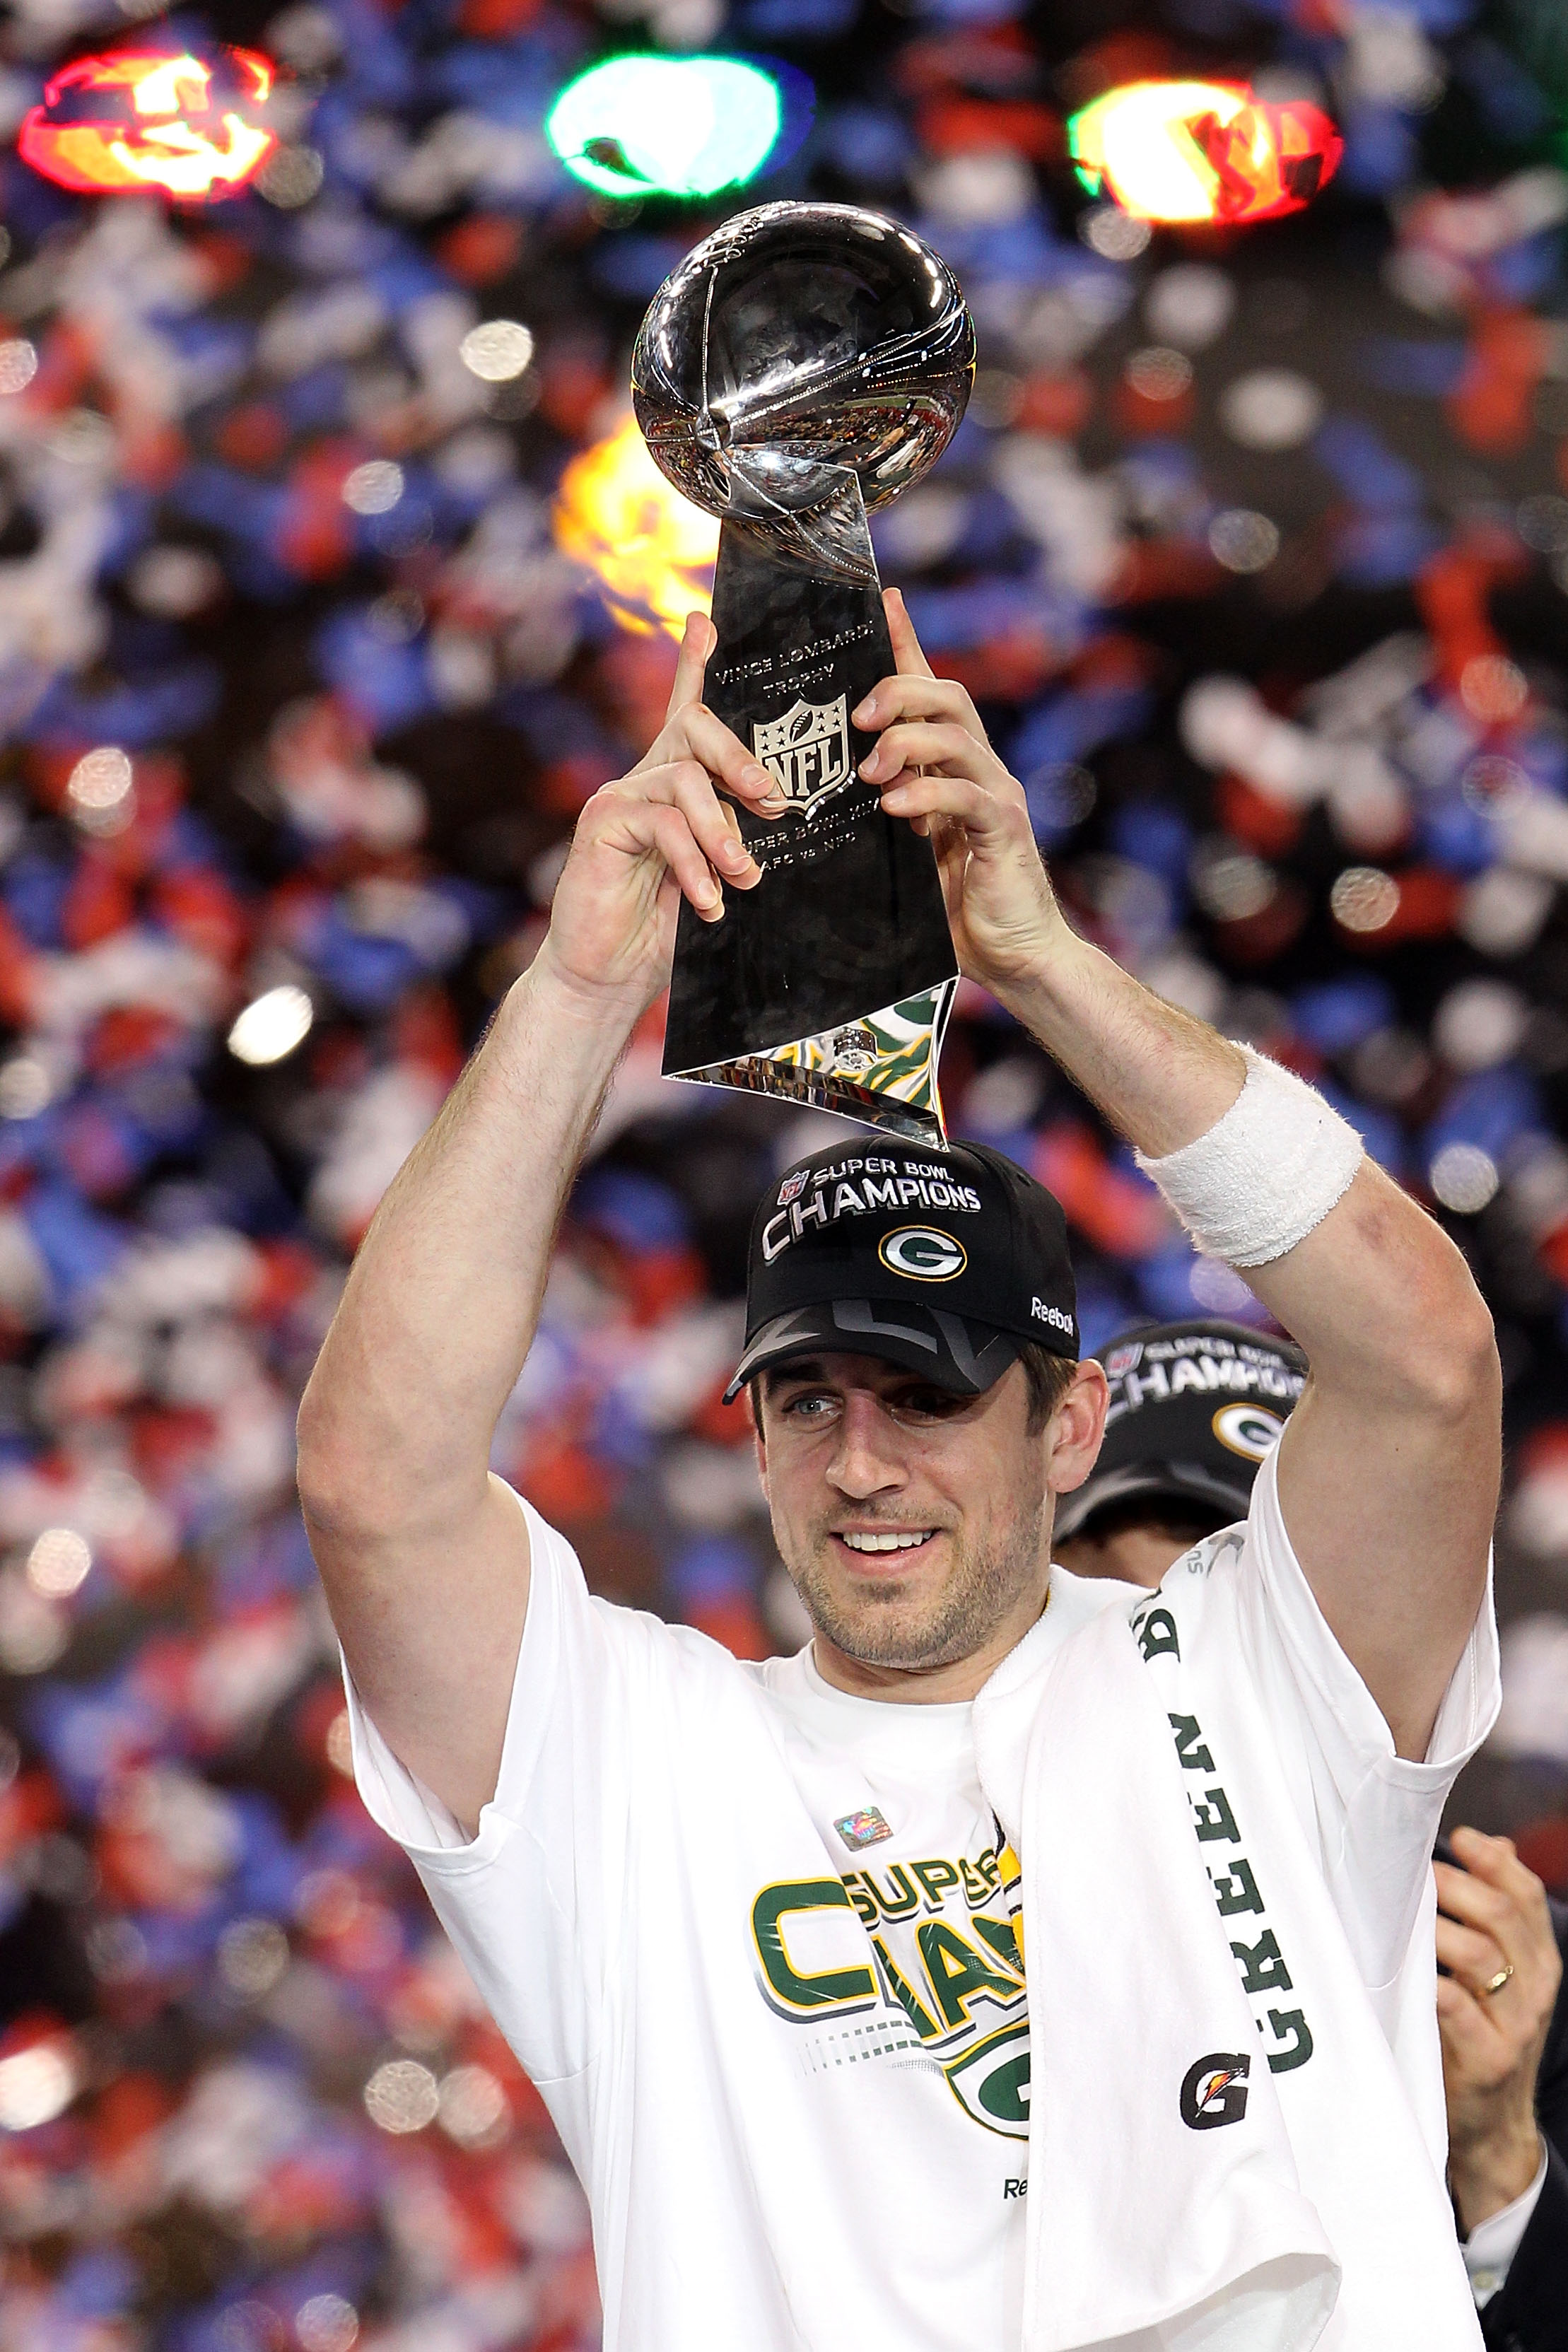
x=1496, y=1984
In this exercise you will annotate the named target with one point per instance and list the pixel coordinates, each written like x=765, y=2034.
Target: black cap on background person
x=1195, y=1407
x=948, y=1262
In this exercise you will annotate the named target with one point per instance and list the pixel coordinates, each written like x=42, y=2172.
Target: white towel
x=1146, y=2233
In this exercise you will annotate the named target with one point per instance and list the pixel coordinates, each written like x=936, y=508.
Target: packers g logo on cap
x=923, y=1253
x=1248, y=1430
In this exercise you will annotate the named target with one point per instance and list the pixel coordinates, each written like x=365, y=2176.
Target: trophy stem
x=831, y=981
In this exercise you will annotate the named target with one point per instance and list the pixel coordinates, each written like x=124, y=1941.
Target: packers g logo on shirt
x=1248, y=1430
x=923, y=1253
x=991, y=2080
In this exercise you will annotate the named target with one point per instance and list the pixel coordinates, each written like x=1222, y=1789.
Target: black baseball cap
x=944, y=1261
x=1195, y=1407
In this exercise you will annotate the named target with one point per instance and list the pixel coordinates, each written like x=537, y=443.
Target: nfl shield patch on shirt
x=865, y=1828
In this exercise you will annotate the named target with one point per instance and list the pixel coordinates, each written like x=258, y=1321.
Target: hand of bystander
x=1498, y=2004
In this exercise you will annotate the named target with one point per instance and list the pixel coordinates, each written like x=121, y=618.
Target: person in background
x=1194, y=1409
x=1505, y=2070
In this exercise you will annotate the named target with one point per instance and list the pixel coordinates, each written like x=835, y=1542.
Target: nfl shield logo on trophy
x=807, y=751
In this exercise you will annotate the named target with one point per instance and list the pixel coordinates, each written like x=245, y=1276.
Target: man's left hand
x=934, y=765
x=1492, y=2041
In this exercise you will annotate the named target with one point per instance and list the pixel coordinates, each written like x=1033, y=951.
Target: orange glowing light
x=137, y=118
x=653, y=551
x=1203, y=150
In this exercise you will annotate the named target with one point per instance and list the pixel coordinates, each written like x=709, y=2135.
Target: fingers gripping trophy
x=803, y=366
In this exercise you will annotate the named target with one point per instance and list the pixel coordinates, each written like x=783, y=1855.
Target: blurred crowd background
x=332, y=581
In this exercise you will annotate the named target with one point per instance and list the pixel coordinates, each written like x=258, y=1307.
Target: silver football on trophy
x=796, y=341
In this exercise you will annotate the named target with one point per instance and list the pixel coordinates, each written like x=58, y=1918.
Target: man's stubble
x=887, y=1628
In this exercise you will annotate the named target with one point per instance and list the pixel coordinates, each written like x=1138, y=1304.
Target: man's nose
x=866, y=1458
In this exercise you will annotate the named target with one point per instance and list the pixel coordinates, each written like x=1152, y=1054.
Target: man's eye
x=808, y=1405
x=928, y=1404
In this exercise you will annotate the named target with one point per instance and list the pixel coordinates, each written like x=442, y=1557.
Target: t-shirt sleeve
x=1373, y=1814
x=530, y=1901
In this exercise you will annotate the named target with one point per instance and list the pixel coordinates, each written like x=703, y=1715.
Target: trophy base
x=778, y=997
x=881, y=1069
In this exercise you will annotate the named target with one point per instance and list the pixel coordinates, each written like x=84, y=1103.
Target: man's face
x=914, y=1524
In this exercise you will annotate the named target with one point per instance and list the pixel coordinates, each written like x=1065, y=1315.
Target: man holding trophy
x=1030, y=1962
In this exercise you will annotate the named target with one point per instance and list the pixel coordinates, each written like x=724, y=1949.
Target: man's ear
x=1077, y=1427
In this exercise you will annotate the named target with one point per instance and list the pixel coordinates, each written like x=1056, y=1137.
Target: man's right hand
x=653, y=836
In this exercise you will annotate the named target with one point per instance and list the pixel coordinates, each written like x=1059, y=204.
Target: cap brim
x=951, y=1350
x=1186, y=1484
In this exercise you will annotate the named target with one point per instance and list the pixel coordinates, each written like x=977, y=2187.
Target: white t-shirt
x=791, y=2067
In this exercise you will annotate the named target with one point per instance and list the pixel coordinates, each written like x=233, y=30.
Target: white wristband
x=1266, y=1173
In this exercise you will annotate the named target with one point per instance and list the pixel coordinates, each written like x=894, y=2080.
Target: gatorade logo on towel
x=1213, y=2090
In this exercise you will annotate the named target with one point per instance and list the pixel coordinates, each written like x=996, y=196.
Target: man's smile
x=865, y=1541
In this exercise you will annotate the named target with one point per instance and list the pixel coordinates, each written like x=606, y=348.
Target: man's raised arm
x=424, y=1555
x=1389, y=1465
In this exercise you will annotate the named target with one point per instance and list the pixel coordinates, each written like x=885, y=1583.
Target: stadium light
x=643, y=126
x=1200, y=151
x=132, y=119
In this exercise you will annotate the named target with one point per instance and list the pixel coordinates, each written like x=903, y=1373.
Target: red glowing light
x=136, y=118
x=1196, y=150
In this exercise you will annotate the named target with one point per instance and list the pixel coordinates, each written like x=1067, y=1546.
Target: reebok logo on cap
x=1051, y=1315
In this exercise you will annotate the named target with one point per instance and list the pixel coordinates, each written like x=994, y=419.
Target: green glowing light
x=665, y=126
